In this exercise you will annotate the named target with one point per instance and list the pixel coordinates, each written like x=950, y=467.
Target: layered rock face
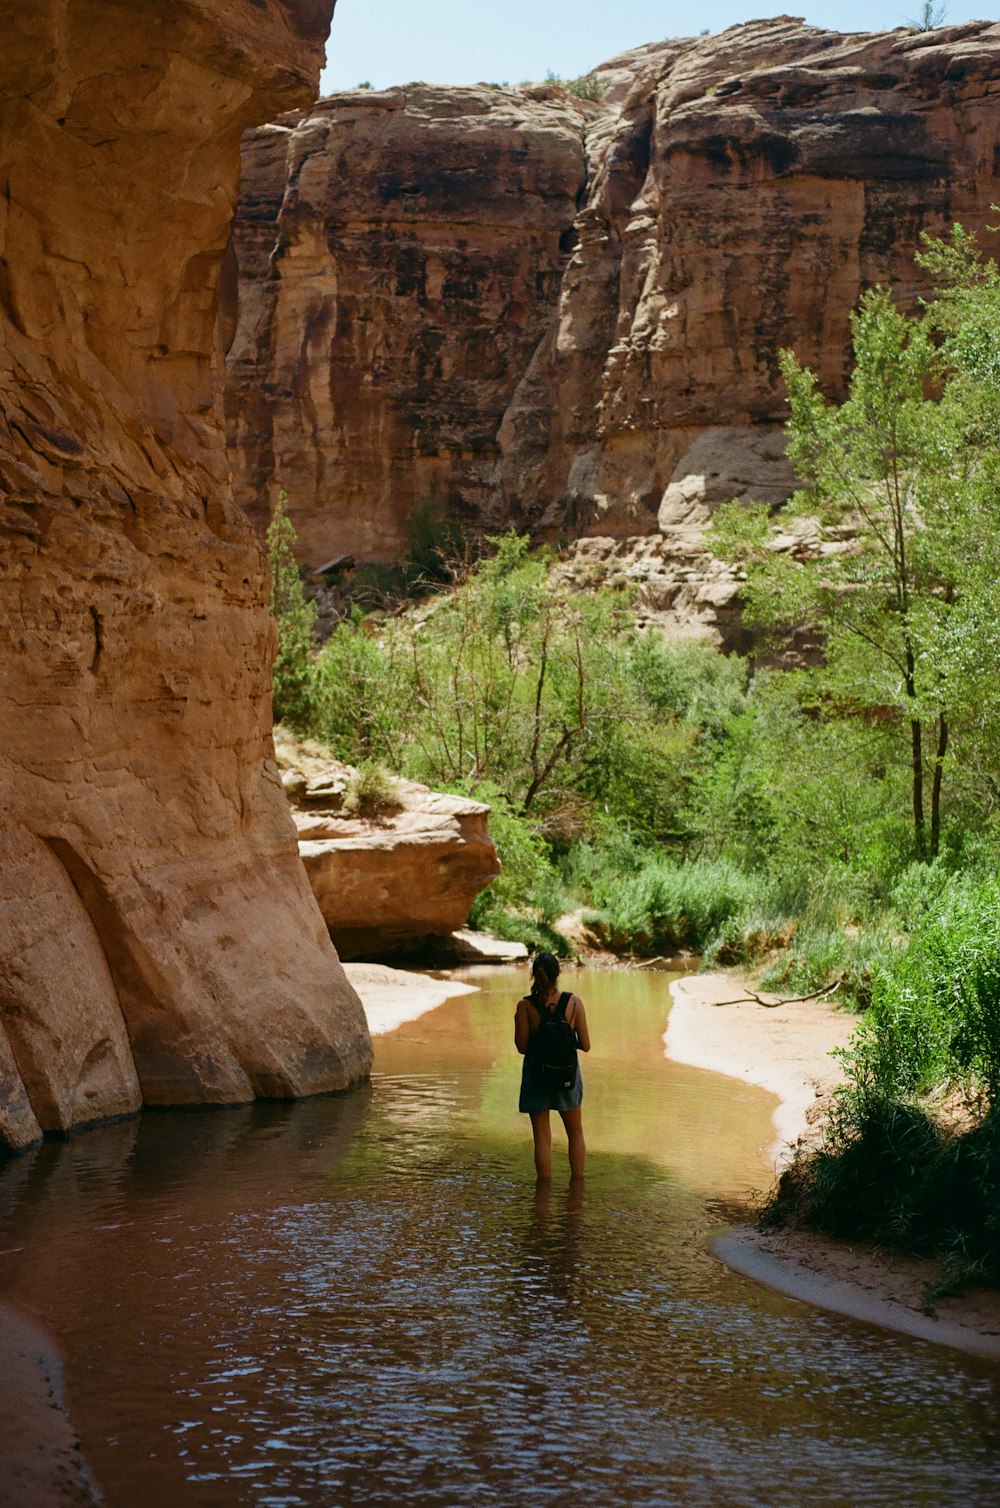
x=399, y=257
x=158, y=938
x=393, y=881
x=739, y=193
x=743, y=190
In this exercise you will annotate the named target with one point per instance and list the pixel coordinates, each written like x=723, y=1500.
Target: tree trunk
x=942, y=749
x=917, y=747
x=919, y=825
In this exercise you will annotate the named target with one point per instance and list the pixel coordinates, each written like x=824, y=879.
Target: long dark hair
x=544, y=973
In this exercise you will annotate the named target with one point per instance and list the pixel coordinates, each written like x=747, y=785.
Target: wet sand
x=786, y=1049
x=41, y=1465
x=391, y=997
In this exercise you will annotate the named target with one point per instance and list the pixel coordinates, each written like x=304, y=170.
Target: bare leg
x=573, y=1121
x=542, y=1133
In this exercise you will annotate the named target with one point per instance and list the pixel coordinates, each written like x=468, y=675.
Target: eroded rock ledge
x=158, y=938
x=392, y=881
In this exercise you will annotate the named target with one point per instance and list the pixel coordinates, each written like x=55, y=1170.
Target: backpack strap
x=557, y=1012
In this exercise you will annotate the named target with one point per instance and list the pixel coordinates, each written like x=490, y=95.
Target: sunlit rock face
x=743, y=190
x=395, y=880
x=158, y=938
x=425, y=306
x=400, y=254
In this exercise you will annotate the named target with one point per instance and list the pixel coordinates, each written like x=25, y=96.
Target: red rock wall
x=399, y=258
x=741, y=190
x=158, y=939
x=744, y=190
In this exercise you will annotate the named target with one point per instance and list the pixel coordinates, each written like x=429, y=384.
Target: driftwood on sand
x=752, y=999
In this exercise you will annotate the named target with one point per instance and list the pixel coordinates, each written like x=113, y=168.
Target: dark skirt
x=536, y=1097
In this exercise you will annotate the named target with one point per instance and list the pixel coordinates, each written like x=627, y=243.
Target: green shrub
x=513, y=926
x=889, y=1174
x=749, y=938
x=588, y=86
x=819, y=955
x=935, y=1012
x=667, y=907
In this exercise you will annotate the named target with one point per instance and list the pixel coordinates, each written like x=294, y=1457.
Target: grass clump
x=587, y=86
x=371, y=792
x=668, y=907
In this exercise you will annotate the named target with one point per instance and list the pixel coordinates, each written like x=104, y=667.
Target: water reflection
x=367, y=1300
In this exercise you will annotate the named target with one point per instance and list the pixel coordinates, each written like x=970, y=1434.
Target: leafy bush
x=890, y=1174
x=889, y=1169
x=587, y=86
x=821, y=955
x=667, y=907
x=935, y=1012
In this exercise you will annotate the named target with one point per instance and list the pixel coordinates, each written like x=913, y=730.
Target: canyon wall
x=736, y=195
x=158, y=939
x=399, y=255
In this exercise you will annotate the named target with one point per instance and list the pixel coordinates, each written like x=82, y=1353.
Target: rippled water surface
x=363, y=1300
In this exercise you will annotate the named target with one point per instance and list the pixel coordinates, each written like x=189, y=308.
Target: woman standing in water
x=546, y=1004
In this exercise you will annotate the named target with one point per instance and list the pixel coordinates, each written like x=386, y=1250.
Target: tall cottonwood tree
x=903, y=480
x=295, y=616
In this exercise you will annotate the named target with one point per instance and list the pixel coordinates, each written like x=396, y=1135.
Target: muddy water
x=364, y=1301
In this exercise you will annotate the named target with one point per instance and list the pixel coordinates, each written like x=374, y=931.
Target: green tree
x=931, y=17
x=901, y=481
x=294, y=678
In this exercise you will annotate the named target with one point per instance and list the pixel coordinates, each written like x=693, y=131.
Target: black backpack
x=553, y=1048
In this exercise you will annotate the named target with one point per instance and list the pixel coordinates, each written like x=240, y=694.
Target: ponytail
x=544, y=972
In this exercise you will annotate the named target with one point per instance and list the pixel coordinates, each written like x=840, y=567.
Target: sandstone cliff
x=399, y=258
x=393, y=881
x=158, y=939
x=743, y=190
x=737, y=193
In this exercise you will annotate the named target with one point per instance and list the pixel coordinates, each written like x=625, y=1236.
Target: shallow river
x=364, y=1301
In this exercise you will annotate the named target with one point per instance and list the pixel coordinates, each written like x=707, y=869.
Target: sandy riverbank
x=392, y=997
x=786, y=1049
x=40, y=1461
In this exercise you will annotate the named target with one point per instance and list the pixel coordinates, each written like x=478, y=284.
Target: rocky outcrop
x=158, y=939
x=396, y=878
x=741, y=190
x=400, y=255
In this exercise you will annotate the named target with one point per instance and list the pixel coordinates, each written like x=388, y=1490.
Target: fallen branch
x=752, y=999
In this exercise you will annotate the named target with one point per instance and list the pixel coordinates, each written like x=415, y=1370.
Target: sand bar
x=41, y=1465
x=392, y=997
x=786, y=1049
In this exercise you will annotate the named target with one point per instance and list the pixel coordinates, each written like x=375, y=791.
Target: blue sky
x=465, y=41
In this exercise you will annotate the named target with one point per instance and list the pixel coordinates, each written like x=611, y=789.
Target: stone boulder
x=159, y=942
x=394, y=880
